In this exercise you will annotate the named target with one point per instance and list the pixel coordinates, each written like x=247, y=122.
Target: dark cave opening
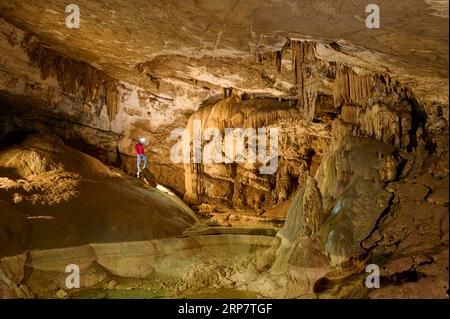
x=14, y=137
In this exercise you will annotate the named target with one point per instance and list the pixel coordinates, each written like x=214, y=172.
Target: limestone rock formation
x=13, y=230
x=240, y=185
x=312, y=206
x=360, y=161
x=375, y=189
x=74, y=199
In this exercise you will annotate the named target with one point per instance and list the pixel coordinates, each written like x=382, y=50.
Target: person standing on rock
x=139, y=148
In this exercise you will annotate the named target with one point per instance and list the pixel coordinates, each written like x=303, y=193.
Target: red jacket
x=139, y=149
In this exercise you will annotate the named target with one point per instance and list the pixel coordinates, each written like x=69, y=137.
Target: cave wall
x=362, y=155
x=379, y=196
x=240, y=185
x=42, y=91
x=335, y=99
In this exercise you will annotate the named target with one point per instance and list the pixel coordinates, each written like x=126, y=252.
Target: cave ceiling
x=215, y=41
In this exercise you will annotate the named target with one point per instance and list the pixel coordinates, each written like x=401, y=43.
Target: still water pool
x=97, y=293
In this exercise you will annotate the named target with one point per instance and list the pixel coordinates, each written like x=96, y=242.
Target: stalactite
x=276, y=56
x=230, y=113
x=278, y=59
x=309, y=102
x=112, y=96
x=259, y=57
x=227, y=92
x=244, y=113
x=303, y=55
x=75, y=77
x=367, y=103
x=302, y=51
x=352, y=88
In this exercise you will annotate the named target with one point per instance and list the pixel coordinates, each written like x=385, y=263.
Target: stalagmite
x=312, y=206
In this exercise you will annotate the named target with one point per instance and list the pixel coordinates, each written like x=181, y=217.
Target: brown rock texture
x=63, y=198
x=361, y=173
x=241, y=186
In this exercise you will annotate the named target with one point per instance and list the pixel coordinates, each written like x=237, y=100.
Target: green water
x=220, y=293
x=97, y=293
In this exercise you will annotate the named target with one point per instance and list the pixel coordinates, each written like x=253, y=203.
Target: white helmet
x=142, y=140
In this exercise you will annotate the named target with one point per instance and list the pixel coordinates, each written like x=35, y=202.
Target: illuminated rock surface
x=362, y=175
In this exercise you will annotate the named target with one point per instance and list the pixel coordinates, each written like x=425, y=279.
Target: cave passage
x=216, y=150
